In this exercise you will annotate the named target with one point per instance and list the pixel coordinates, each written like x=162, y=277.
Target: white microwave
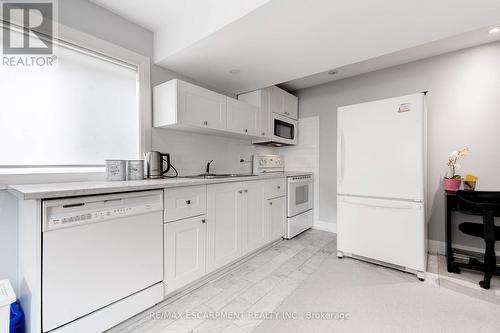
x=284, y=131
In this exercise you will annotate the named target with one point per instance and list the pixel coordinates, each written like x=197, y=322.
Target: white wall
x=92, y=19
x=464, y=110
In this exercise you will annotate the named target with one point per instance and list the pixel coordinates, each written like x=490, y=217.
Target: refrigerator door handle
x=385, y=204
x=342, y=157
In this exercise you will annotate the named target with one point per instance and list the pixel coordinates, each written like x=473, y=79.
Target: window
x=80, y=111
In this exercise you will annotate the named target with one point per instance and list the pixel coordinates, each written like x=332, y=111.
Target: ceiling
x=296, y=41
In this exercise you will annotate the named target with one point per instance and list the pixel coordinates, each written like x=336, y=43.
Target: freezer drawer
x=385, y=230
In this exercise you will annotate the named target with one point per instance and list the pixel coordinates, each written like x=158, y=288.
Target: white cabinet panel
x=291, y=106
x=182, y=105
x=274, y=188
x=261, y=99
x=185, y=252
x=224, y=214
x=254, y=231
x=242, y=117
x=183, y=202
x=201, y=107
x=283, y=103
x=275, y=218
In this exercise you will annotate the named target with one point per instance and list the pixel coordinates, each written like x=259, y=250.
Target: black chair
x=486, y=204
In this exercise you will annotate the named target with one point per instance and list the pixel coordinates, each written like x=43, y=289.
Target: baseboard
x=439, y=247
x=325, y=226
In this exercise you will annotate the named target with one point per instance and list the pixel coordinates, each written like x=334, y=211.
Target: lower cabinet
x=184, y=251
x=254, y=226
x=275, y=217
x=224, y=223
x=239, y=219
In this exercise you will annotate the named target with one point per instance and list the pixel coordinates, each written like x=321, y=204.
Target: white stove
x=299, y=192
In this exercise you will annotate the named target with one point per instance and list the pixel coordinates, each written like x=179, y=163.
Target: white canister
x=116, y=170
x=135, y=170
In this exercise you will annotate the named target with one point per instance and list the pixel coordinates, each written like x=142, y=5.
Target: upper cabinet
x=260, y=99
x=284, y=103
x=272, y=100
x=242, y=117
x=181, y=105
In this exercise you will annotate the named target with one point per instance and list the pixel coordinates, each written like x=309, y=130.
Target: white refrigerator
x=381, y=171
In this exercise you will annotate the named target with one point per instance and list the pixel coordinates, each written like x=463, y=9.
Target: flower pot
x=452, y=185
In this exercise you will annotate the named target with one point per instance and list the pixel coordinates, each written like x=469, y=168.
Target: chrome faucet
x=207, y=171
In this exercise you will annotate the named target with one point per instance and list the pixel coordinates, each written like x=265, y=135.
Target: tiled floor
x=261, y=284
x=257, y=286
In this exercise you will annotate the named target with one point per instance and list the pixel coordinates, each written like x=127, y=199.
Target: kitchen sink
x=222, y=175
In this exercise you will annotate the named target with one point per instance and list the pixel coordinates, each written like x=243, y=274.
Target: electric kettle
x=153, y=164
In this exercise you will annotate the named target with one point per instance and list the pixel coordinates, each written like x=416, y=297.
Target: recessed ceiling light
x=234, y=71
x=333, y=72
x=494, y=30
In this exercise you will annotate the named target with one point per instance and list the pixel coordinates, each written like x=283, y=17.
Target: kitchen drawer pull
x=203, y=220
x=279, y=187
x=263, y=133
x=246, y=130
x=240, y=191
x=246, y=191
x=188, y=202
x=205, y=123
x=271, y=203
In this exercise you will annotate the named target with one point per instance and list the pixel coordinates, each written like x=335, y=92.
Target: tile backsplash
x=190, y=152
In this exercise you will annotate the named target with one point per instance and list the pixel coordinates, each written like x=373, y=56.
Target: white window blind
x=82, y=110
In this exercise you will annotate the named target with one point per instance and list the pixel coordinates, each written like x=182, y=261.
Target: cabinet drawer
x=274, y=188
x=183, y=202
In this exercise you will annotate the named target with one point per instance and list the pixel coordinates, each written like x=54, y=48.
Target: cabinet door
x=201, y=107
x=254, y=231
x=224, y=213
x=277, y=100
x=265, y=120
x=283, y=103
x=291, y=106
x=275, y=217
x=260, y=99
x=242, y=117
x=184, y=252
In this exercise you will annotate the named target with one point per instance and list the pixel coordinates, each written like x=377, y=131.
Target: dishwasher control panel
x=96, y=216
x=85, y=212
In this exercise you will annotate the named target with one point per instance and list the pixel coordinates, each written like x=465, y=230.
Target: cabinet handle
x=279, y=187
x=203, y=221
x=263, y=133
x=271, y=203
x=188, y=202
x=205, y=123
x=246, y=191
x=246, y=130
x=240, y=191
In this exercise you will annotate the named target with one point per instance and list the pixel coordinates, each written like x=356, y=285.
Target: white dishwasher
x=98, y=250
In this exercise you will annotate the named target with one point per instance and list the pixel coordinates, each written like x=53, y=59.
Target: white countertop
x=60, y=190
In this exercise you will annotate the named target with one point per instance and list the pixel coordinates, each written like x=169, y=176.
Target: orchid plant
x=453, y=159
